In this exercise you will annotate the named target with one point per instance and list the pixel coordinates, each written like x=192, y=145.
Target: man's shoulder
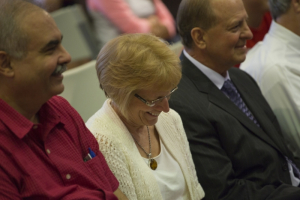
x=243, y=80
x=58, y=100
x=61, y=107
x=239, y=74
x=59, y=104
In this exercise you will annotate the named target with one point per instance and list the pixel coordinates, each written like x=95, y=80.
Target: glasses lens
x=168, y=96
x=161, y=99
x=150, y=104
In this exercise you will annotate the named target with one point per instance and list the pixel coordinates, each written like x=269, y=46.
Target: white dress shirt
x=275, y=65
x=214, y=76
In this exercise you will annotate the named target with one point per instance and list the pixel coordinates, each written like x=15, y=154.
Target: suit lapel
x=216, y=97
x=258, y=112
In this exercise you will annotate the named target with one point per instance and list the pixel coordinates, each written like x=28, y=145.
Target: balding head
x=191, y=14
x=13, y=39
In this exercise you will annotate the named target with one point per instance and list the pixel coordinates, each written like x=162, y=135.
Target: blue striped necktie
x=232, y=93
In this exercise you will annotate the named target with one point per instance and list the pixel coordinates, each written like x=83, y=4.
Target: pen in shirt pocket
x=89, y=156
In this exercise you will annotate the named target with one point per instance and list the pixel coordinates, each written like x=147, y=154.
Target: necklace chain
x=151, y=161
x=148, y=154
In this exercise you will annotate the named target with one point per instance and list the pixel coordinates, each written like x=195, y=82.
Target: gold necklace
x=151, y=161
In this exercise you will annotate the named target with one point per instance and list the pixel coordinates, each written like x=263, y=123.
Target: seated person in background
x=274, y=64
x=142, y=139
x=172, y=6
x=45, y=149
x=114, y=17
x=235, y=139
x=259, y=19
x=53, y=5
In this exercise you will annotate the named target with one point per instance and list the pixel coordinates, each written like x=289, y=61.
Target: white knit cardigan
x=122, y=156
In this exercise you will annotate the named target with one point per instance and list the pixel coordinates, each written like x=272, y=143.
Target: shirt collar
x=286, y=35
x=20, y=125
x=215, y=77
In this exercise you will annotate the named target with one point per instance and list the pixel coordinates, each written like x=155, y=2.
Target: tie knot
x=229, y=89
x=228, y=85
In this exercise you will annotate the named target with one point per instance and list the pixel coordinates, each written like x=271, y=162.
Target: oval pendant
x=153, y=164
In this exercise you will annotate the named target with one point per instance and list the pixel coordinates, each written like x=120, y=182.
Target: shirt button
x=68, y=176
x=48, y=151
x=35, y=127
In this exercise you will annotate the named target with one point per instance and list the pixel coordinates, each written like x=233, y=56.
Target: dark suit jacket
x=234, y=159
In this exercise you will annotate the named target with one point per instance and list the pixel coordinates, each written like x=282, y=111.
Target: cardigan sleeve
x=198, y=192
x=115, y=159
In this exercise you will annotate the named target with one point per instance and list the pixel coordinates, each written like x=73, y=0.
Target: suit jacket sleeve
x=210, y=133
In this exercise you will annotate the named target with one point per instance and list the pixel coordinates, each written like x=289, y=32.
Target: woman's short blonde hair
x=132, y=62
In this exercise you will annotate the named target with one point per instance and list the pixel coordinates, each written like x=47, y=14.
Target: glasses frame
x=152, y=103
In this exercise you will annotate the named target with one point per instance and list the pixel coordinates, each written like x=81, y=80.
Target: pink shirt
x=120, y=14
x=45, y=160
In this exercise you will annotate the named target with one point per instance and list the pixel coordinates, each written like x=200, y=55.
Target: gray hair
x=279, y=7
x=191, y=14
x=13, y=39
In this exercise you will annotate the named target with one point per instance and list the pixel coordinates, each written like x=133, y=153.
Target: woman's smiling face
x=139, y=114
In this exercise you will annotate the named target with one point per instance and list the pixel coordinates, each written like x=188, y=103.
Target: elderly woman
x=142, y=139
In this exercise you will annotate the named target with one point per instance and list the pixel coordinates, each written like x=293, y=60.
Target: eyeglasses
x=152, y=103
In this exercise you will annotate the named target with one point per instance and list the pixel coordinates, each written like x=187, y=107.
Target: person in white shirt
x=141, y=138
x=275, y=64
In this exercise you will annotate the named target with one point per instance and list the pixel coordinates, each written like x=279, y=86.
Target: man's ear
x=5, y=65
x=198, y=37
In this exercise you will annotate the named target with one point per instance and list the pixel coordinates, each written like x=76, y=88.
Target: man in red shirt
x=259, y=19
x=46, y=151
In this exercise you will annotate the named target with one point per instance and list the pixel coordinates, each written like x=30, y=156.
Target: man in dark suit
x=235, y=139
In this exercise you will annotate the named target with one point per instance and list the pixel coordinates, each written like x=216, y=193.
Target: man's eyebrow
x=51, y=44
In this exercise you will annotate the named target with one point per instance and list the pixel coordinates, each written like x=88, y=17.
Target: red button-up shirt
x=45, y=160
x=260, y=32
